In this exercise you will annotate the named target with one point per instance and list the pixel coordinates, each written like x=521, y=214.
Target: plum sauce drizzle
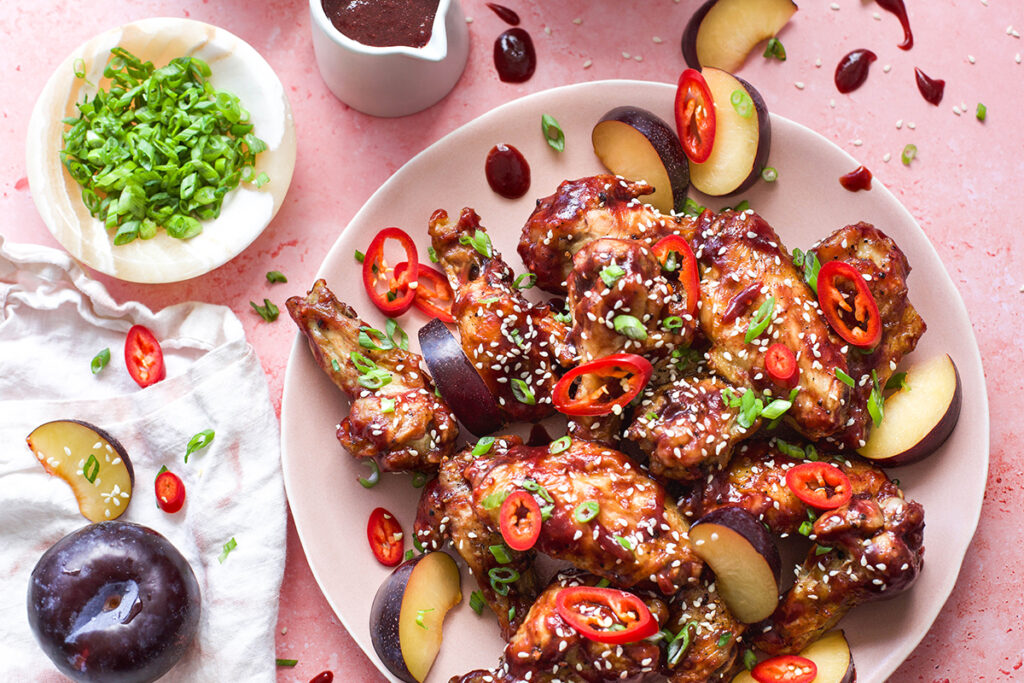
x=508, y=174
x=900, y=10
x=506, y=15
x=514, y=56
x=852, y=70
x=857, y=179
x=931, y=89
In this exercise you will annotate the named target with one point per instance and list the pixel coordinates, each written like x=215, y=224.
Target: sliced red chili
x=859, y=323
x=695, y=116
x=785, y=669
x=605, y=615
x=520, y=520
x=819, y=484
x=686, y=263
x=434, y=296
x=143, y=356
x=780, y=364
x=170, y=492
x=623, y=376
x=385, y=536
x=399, y=296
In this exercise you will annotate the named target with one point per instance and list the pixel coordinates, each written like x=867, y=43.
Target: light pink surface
x=961, y=189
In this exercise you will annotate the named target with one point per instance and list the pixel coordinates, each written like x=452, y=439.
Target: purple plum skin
x=113, y=602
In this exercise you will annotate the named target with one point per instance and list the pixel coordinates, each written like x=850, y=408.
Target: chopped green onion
x=679, y=644
x=91, y=468
x=100, y=361
x=559, y=445
x=844, y=378
x=612, y=274
x=516, y=337
x=372, y=338
x=982, y=112
x=822, y=549
x=387, y=405
x=730, y=398
x=798, y=258
x=432, y=253
x=374, y=478
x=409, y=554
x=724, y=639
x=750, y=409
x=651, y=415
x=603, y=583
x=276, y=276
x=511, y=612
x=673, y=322
x=228, y=547
x=897, y=381
x=268, y=311
x=79, y=67
x=810, y=452
x=742, y=206
x=419, y=479
x=417, y=544
x=420, y=613
x=521, y=390
x=545, y=512
x=198, y=441
x=811, y=267
x=624, y=542
x=789, y=449
x=525, y=281
x=501, y=577
x=776, y=409
x=494, y=500
x=876, y=401
x=482, y=447
x=586, y=511
x=552, y=133
x=761, y=320
x=392, y=328
x=630, y=326
x=805, y=528
x=774, y=50
x=480, y=241
x=261, y=180
x=769, y=174
x=742, y=103
x=564, y=318
x=360, y=256
x=285, y=662
x=909, y=152
x=334, y=365
x=500, y=553
x=533, y=487
x=692, y=208
x=490, y=300
x=476, y=601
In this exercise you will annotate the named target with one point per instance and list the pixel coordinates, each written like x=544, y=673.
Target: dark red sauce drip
x=383, y=23
x=538, y=436
x=931, y=88
x=852, y=70
x=740, y=303
x=507, y=15
x=857, y=179
x=900, y=10
x=508, y=174
x=323, y=677
x=514, y=56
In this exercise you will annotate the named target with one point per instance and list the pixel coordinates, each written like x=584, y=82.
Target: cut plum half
x=743, y=137
x=721, y=33
x=744, y=558
x=408, y=613
x=919, y=417
x=93, y=463
x=830, y=653
x=637, y=145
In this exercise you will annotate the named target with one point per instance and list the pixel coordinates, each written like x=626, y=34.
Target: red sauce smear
x=931, y=88
x=508, y=174
x=514, y=56
x=383, y=23
x=857, y=179
x=852, y=70
x=740, y=302
x=323, y=677
x=538, y=436
x=507, y=15
x=900, y=10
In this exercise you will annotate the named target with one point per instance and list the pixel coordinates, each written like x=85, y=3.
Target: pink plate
x=806, y=203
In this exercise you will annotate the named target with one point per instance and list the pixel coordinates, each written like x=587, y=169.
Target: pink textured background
x=961, y=189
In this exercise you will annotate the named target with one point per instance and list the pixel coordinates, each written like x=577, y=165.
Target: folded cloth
x=53, y=320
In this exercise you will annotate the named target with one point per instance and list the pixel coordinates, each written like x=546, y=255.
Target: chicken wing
x=547, y=648
x=446, y=513
x=885, y=268
x=395, y=415
x=870, y=548
x=511, y=342
x=583, y=210
x=713, y=638
x=637, y=537
x=746, y=267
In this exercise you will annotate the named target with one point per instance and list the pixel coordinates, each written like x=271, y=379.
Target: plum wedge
x=722, y=32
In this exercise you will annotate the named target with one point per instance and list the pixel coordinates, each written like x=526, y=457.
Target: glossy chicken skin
x=446, y=514
x=641, y=291
x=744, y=263
x=418, y=431
x=713, y=635
x=687, y=429
x=583, y=210
x=510, y=341
x=873, y=254
x=638, y=537
x=876, y=540
x=547, y=648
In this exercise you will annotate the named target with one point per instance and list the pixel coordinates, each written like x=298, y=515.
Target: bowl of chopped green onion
x=161, y=149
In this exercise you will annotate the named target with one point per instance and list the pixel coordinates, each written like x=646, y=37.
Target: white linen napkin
x=53, y=320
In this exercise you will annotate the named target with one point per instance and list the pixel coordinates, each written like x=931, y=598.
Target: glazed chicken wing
x=583, y=210
x=873, y=254
x=637, y=536
x=510, y=341
x=446, y=513
x=713, y=635
x=547, y=648
x=870, y=548
x=415, y=429
x=745, y=265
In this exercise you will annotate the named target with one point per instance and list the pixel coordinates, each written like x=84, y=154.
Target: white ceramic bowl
x=395, y=80
x=247, y=210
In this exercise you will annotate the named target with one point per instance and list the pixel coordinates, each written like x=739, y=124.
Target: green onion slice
x=525, y=281
x=559, y=445
x=198, y=441
x=276, y=276
x=909, y=152
x=500, y=553
x=552, y=132
x=844, y=378
x=374, y=478
x=742, y=103
x=268, y=311
x=285, y=662
x=679, y=644
x=774, y=50
x=522, y=392
x=612, y=274
x=982, y=112
x=586, y=511
x=228, y=547
x=533, y=487
x=476, y=601
x=761, y=320
x=769, y=174
x=630, y=326
x=100, y=361
x=483, y=446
